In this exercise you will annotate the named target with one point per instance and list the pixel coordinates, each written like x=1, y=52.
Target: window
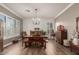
x=11, y=26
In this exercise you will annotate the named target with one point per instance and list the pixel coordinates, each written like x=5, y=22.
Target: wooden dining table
x=35, y=40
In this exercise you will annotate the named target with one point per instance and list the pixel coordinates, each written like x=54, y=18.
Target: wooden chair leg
x=22, y=44
x=44, y=44
x=71, y=49
x=25, y=44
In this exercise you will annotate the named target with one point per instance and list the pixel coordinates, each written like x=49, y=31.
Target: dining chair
x=24, y=40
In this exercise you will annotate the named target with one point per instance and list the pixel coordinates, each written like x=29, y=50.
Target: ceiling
x=44, y=9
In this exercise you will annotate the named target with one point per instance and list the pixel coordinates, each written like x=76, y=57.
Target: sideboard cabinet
x=60, y=36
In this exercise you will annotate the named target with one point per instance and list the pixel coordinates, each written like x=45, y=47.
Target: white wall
x=68, y=19
x=28, y=24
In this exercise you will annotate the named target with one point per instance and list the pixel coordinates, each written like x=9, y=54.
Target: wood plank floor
x=52, y=48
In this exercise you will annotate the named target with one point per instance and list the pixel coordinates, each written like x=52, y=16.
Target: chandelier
x=36, y=19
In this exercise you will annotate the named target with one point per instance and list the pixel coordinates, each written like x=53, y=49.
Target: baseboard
x=7, y=44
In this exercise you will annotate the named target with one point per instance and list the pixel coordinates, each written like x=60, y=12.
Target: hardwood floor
x=52, y=48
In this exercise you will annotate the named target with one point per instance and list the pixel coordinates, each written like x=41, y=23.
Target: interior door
x=1, y=35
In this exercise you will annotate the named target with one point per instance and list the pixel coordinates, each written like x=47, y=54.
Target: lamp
x=36, y=20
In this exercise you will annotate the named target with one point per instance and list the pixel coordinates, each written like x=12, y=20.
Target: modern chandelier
x=36, y=19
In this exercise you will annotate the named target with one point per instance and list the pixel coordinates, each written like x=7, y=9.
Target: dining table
x=36, y=40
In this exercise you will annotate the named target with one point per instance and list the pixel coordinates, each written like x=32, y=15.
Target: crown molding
x=60, y=13
x=10, y=10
